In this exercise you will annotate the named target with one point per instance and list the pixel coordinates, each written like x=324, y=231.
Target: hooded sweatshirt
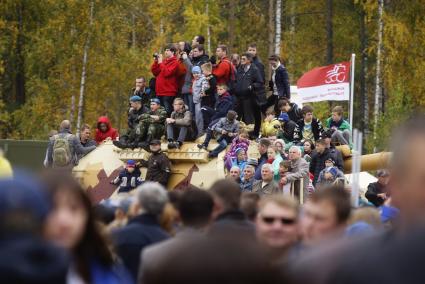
x=111, y=132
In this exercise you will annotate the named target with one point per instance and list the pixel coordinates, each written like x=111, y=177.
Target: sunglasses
x=283, y=221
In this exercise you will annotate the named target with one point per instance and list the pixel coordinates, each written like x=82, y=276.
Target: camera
x=155, y=55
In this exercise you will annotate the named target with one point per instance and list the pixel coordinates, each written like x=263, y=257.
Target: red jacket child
x=103, y=133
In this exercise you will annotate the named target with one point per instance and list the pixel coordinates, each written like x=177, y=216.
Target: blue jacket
x=261, y=161
x=128, y=181
x=141, y=231
x=246, y=186
x=224, y=103
x=117, y=274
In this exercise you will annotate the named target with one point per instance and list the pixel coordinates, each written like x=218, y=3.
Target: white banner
x=329, y=92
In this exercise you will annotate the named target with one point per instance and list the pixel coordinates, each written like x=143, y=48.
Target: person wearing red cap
x=129, y=178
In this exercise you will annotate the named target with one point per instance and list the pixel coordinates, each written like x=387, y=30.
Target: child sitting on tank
x=129, y=178
x=226, y=129
x=239, y=142
x=240, y=160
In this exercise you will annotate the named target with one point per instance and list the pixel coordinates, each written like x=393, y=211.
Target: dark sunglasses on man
x=283, y=221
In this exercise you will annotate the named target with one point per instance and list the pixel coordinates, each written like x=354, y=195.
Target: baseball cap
x=155, y=100
x=131, y=163
x=283, y=117
x=135, y=99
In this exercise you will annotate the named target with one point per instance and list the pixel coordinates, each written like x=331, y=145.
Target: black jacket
x=158, y=168
x=233, y=220
x=317, y=163
x=260, y=67
x=295, y=113
x=339, y=162
x=198, y=61
x=209, y=98
x=135, y=115
x=248, y=83
x=224, y=103
x=373, y=189
x=316, y=126
x=141, y=231
x=287, y=132
x=282, y=83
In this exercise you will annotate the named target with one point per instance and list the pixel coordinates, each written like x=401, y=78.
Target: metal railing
x=297, y=190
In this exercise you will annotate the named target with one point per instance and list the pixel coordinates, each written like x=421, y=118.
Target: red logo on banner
x=331, y=74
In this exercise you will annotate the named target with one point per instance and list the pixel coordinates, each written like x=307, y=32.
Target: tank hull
x=189, y=166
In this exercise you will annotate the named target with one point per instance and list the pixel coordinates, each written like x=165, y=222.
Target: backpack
x=61, y=150
x=231, y=83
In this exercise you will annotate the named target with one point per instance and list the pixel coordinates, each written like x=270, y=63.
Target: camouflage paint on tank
x=189, y=166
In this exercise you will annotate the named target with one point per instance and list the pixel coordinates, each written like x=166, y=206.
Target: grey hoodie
x=199, y=86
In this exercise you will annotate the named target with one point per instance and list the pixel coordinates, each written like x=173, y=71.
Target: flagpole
x=353, y=64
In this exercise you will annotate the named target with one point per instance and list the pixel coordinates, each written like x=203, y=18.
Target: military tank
x=190, y=165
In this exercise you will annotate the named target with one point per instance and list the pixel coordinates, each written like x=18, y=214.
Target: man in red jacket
x=167, y=79
x=223, y=70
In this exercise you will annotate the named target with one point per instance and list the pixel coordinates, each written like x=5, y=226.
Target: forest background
x=43, y=44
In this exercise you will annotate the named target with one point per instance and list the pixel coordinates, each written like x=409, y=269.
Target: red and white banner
x=327, y=83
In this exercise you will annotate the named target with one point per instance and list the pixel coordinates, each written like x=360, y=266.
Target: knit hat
x=196, y=69
x=283, y=117
x=131, y=163
x=332, y=171
x=156, y=100
x=135, y=99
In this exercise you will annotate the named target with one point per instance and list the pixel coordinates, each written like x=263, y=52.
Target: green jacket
x=159, y=112
x=344, y=125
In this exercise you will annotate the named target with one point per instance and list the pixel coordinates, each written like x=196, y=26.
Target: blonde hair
x=366, y=214
x=207, y=67
x=281, y=201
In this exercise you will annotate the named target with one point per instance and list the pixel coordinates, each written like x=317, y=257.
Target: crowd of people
x=252, y=226
x=193, y=95
x=52, y=233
